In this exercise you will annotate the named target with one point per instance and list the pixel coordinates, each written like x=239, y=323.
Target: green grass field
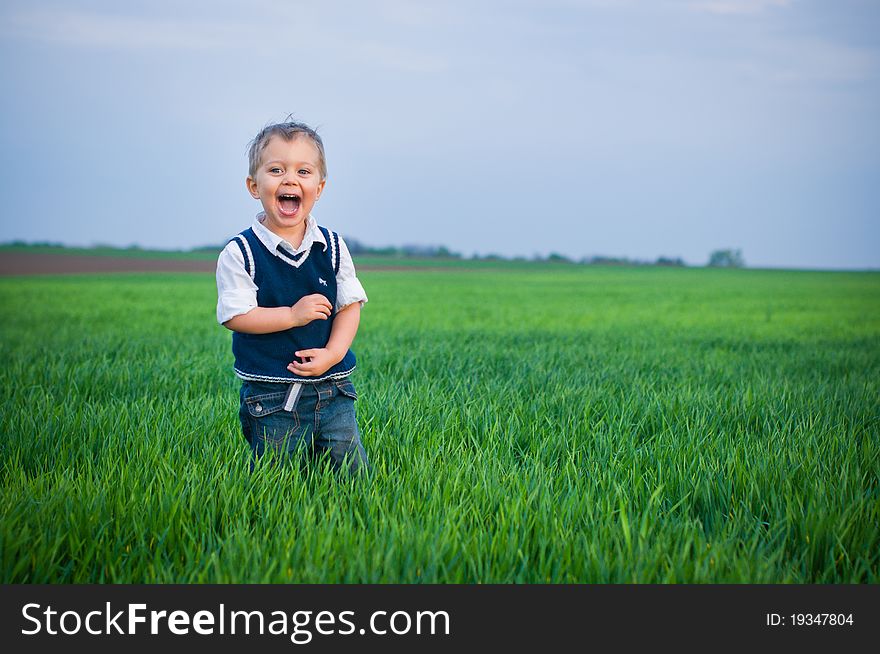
x=583, y=424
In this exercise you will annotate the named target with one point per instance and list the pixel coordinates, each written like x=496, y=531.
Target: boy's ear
x=251, y=184
x=320, y=188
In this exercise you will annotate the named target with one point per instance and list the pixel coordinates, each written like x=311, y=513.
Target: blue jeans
x=323, y=422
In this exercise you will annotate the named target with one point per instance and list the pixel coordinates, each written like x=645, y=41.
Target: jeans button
x=258, y=408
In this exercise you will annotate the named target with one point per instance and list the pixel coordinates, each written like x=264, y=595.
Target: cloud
x=816, y=61
x=82, y=29
x=390, y=57
x=67, y=27
x=739, y=7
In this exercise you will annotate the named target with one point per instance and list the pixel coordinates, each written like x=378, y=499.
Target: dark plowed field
x=21, y=263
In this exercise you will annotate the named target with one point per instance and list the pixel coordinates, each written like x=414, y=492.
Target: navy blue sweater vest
x=264, y=357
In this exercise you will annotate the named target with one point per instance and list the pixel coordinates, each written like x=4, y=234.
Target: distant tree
x=669, y=261
x=602, y=260
x=354, y=245
x=727, y=259
x=443, y=251
x=558, y=258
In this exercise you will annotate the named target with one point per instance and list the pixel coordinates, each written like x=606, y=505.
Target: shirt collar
x=271, y=240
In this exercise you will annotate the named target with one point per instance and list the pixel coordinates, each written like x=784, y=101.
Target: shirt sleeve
x=348, y=286
x=236, y=291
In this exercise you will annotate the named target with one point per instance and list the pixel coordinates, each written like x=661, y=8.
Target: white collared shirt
x=236, y=291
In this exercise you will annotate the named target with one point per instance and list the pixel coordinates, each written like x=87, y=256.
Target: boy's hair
x=287, y=130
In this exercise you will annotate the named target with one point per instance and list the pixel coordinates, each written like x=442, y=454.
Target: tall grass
x=573, y=425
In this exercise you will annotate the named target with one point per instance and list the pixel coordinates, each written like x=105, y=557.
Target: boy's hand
x=317, y=362
x=309, y=308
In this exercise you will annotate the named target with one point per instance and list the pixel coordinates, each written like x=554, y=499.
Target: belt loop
x=292, y=397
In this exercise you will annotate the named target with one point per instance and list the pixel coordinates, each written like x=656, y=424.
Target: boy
x=287, y=289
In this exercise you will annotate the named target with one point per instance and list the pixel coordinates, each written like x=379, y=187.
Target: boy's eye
x=275, y=169
x=304, y=171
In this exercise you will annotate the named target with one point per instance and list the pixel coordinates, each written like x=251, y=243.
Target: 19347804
x=809, y=620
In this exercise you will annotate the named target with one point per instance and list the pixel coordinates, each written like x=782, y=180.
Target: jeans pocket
x=268, y=419
x=346, y=387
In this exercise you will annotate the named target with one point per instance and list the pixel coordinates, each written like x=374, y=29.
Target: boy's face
x=287, y=183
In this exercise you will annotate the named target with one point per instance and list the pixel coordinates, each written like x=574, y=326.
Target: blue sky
x=584, y=127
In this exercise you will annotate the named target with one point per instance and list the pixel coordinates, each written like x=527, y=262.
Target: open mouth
x=288, y=203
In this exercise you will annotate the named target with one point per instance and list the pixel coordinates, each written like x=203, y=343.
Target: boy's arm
x=320, y=360
x=265, y=320
x=348, y=286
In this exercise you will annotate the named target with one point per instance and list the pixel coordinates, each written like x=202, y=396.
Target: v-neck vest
x=264, y=357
